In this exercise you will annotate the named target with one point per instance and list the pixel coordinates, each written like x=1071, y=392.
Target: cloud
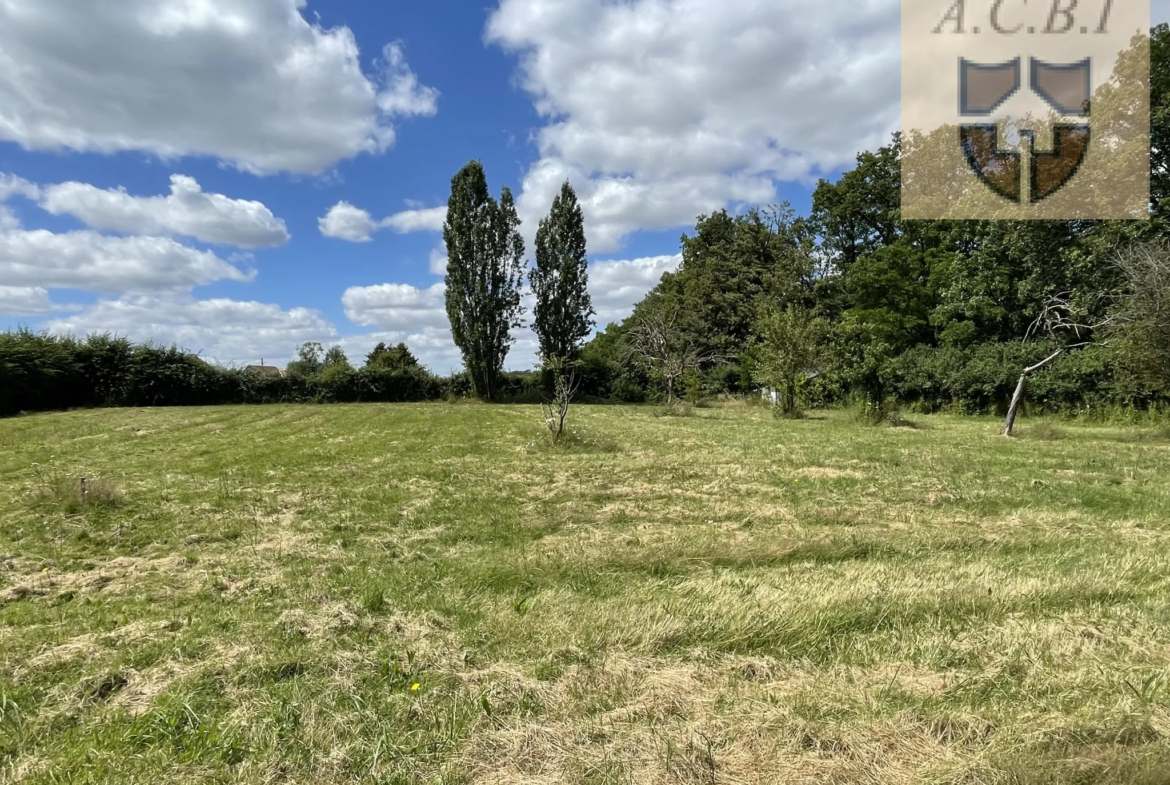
x=429, y=220
x=27, y=301
x=97, y=263
x=615, y=287
x=346, y=222
x=248, y=82
x=222, y=330
x=402, y=94
x=659, y=110
x=616, y=206
x=438, y=261
x=396, y=306
x=11, y=185
x=187, y=211
x=418, y=316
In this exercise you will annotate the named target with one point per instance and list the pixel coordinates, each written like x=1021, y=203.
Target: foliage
x=392, y=358
x=790, y=345
x=560, y=280
x=42, y=372
x=485, y=262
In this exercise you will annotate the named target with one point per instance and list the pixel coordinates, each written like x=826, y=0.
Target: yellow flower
x=414, y=687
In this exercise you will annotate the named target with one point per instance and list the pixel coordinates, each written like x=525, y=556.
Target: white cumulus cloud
x=428, y=220
x=26, y=301
x=222, y=330
x=249, y=82
x=12, y=185
x=615, y=287
x=99, y=263
x=344, y=221
x=396, y=306
x=187, y=211
x=659, y=110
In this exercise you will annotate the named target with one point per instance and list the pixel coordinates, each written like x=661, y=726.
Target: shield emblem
x=1000, y=170
x=984, y=88
x=1066, y=88
x=1052, y=170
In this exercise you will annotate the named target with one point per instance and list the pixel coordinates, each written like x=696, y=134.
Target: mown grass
x=433, y=594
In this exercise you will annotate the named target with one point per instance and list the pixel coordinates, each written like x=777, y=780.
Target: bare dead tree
x=1143, y=313
x=1054, y=321
x=565, y=384
x=657, y=344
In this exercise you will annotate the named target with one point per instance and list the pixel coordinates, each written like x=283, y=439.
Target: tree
x=485, y=268
x=308, y=362
x=556, y=411
x=335, y=358
x=560, y=281
x=392, y=358
x=790, y=340
x=1055, y=322
x=658, y=344
x=1143, y=312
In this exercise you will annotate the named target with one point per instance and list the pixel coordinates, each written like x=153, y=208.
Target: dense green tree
x=790, y=345
x=485, y=267
x=861, y=211
x=561, y=316
x=310, y=358
x=392, y=358
x=335, y=358
x=729, y=266
x=1160, y=122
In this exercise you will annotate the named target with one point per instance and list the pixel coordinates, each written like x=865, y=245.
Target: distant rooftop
x=266, y=370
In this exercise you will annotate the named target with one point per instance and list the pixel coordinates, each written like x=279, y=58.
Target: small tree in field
x=485, y=268
x=658, y=344
x=790, y=341
x=565, y=379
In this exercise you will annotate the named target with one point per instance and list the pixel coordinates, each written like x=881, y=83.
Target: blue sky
x=278, y=115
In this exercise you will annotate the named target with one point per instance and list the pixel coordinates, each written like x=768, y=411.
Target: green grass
x=252, y=594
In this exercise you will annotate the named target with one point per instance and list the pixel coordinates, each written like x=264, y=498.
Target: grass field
x=428, y=593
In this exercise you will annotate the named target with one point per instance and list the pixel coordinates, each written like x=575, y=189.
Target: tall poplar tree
x=485, y=270
x=560, y=280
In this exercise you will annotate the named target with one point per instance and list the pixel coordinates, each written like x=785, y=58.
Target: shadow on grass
x=1132, y=753
x=571, y=441
x=1145, y=436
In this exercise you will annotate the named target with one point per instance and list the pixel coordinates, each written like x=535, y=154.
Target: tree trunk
x=1018, y=397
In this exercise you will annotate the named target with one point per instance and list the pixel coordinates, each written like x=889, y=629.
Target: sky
x=239, y=177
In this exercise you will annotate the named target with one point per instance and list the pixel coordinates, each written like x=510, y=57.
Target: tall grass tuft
x=75, y=495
